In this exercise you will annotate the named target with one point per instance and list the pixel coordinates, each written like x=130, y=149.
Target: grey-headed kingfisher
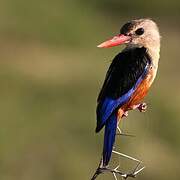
x=128, y=78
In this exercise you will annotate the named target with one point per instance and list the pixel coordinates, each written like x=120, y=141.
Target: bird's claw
x=125, y=114
x=142, y=107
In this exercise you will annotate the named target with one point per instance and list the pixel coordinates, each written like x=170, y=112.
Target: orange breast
x=139, y=94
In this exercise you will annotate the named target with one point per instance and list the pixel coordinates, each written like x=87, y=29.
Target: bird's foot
x=125, y=114
x=142, y=107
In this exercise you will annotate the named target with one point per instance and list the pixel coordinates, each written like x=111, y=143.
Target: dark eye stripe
x=126, y=28
x=139, y=31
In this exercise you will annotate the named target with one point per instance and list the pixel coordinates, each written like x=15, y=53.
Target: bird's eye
x=139, y=31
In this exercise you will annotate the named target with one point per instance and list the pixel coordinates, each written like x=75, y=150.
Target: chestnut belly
x=138, y=95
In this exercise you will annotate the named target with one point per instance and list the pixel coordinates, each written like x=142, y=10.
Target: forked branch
x=115, y=171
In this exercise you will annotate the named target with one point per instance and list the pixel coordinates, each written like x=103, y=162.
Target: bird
x=128, y=79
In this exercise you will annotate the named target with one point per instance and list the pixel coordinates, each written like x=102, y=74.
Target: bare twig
x=126, y=156
x=115, y=171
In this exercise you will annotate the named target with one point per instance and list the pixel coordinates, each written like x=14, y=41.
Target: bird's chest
x=141, y=90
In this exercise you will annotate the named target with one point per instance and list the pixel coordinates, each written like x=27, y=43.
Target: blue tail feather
x=109, y=138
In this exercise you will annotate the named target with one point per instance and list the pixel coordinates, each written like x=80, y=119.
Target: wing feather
x=124, y=74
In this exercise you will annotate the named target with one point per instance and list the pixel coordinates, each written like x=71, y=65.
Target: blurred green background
x=50, y=75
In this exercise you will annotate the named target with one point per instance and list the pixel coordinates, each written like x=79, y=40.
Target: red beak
x=115, y=41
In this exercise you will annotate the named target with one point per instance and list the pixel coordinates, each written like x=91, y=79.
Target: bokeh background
x=50, y=75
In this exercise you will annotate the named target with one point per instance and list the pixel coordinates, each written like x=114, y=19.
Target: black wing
x=122, y=77
x=123, y=72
